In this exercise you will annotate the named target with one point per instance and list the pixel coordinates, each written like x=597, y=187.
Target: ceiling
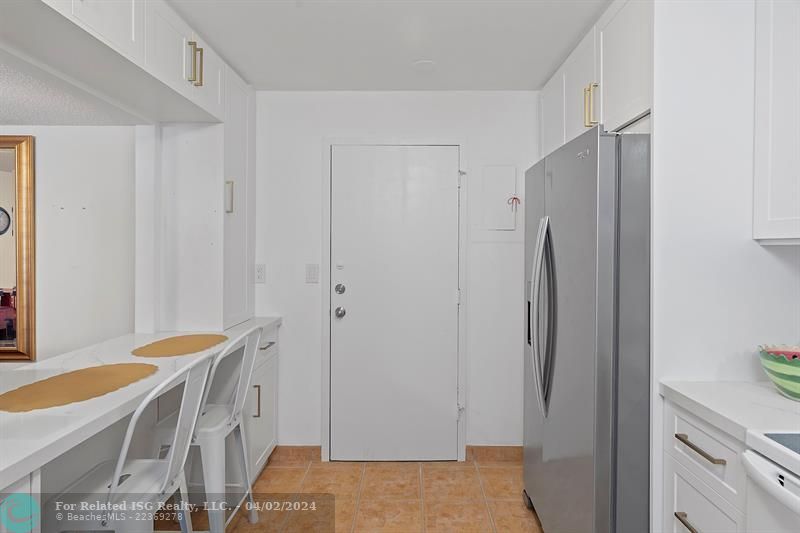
x=392, y=44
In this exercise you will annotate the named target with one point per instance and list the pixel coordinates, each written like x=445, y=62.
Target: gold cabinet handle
x=199, y=82
x=193, y=75
x=592, y=87
x=683, y=518
x=684, y=438
x=586, y=119
x=258, y=401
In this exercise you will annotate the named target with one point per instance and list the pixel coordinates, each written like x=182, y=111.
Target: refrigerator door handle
x=552, y=316
x=535, y=297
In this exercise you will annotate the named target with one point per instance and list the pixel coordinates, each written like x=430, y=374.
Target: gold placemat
x=181, y=345
x=75, y=386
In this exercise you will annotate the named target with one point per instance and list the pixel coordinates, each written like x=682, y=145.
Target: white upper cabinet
x=152, y=36
x=580, y=89
x=120, y=23
x=607, y=79
x=168, y=53
x=625, y=50
x=209, y=80
x=776, y=211
x=552, y=115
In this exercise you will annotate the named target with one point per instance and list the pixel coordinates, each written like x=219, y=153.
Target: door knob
x=340, y=288
x=340, y=312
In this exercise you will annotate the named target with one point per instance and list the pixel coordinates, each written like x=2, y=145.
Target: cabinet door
x=579, y=73
x=167, y=51
x=119, y=23
x=237, y=267
x=625, y=45
x=777, y=115
x=552, y=115
x=688, y=502
x=209, y=89
x=260, y=414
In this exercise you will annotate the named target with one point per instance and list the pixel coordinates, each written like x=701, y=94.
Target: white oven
x=773, y=496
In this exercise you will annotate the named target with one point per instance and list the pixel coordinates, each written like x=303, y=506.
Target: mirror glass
x=8, y=248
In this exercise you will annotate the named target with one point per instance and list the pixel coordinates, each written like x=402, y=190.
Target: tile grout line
x=485, y=499
x=285, y=520
x=358, y=499
x=422, y=498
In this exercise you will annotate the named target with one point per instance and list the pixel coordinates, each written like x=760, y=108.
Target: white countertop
x=744, y=410
x=30, y=440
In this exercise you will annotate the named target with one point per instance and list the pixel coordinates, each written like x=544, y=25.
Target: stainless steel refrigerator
x=587, y=357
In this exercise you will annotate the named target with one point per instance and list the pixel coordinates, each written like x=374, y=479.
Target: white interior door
x=394, y=252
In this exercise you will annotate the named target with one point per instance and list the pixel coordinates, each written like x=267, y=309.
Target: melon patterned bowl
x=782, y=366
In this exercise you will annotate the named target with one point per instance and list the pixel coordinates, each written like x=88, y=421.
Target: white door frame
x=325, y=281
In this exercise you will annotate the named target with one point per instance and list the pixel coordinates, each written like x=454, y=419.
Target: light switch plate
x=261, y=273
x=312, y=273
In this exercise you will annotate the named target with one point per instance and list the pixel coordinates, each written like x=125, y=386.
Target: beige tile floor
x=480, y=495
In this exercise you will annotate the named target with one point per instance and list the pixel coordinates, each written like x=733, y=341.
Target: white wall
x=84, y=233
x=496, y=128
x=717, y=294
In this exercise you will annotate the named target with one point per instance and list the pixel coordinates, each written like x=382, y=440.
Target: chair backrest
x=194, y=377
x=249, y=342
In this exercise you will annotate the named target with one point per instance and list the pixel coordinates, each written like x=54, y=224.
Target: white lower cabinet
x=691, y=505
x=261, y=410
x=704, y=479
x=22, y=488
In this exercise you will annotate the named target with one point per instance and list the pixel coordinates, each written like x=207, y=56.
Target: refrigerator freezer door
x=562, y=480
x=533, y=417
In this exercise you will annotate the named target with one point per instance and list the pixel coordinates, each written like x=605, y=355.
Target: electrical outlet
x=261, y=273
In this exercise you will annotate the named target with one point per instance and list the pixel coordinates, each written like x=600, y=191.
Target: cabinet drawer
x=690, y=503
x=706, y=452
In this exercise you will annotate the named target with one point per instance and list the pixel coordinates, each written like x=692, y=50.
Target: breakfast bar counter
x=29, y=440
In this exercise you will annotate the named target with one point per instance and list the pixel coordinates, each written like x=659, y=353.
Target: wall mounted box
x=499, y=189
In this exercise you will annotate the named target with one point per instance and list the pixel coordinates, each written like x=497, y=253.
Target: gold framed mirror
x=17, y=249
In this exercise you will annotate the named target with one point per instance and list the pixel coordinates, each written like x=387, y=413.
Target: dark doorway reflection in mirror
x=8, y=249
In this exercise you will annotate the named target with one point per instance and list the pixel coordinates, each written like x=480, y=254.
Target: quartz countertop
x=744, y=410
x=30, y=440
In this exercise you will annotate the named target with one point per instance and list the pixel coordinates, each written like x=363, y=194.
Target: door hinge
x=461, y=410
x=458, y=296
x=461, y=174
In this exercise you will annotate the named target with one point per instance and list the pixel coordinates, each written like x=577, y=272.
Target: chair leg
x=212, y=455
x=184, y=516
x=244, y=460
